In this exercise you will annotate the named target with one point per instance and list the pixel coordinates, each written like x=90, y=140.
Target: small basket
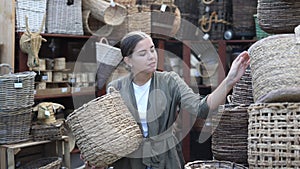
x=44, y=163
x=15, y=125
x=273, y=135
x=275, y=66
x=34, y=10
x=108, y=58
x=64, y=16
x=103, y=127
x=16, y=89
x=213, y=164
x=42, y=132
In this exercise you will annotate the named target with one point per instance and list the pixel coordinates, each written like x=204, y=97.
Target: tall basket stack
x=16, y=100
x=273, y=130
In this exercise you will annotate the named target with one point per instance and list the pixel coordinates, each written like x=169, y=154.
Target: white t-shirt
x=141, y=96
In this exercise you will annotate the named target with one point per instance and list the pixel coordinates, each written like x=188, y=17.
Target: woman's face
x=144, y=57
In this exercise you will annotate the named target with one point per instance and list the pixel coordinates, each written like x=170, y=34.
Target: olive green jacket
x=162, y=148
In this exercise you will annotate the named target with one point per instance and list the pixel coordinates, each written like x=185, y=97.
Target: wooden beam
x=7, y=32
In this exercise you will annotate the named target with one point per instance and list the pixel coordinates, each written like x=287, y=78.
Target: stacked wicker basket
x=16, y=100
x=273, y=130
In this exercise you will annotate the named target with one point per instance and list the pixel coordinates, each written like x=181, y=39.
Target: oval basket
x=105, y=130
x=213, y=164
x=16, y=89
x=275, y=66
x=44, y=163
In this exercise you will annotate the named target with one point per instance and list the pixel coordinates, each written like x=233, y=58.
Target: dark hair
x=129, y=42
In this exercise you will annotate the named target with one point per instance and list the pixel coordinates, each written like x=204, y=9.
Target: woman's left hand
x=238, y=67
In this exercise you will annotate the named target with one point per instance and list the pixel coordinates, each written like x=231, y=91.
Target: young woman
x=153, y=98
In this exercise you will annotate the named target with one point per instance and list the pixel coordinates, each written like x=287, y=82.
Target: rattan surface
x=44, y=163
x=15, y=125
x=229, y=139
x=105, y=130
x=41, y=132
x=17, y=89
x=273, y=138
x=278, y=16
x=213, y=164
x=275, y=65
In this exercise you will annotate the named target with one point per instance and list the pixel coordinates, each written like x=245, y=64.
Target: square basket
x=64, y=17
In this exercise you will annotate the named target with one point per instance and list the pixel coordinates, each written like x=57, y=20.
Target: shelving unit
x=65, y=98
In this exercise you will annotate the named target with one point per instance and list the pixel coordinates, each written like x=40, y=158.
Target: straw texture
x=278, y=16
x=229, y=139
x=275, y=65
x=104, y=129
x=213, y=164
x=273, y=135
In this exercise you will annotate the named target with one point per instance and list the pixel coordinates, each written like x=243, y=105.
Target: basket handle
x=104, y=40
x=8, y=66
x=297, y=34
x=111, y=89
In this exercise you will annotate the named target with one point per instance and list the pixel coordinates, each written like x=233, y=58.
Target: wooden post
x=7, y=31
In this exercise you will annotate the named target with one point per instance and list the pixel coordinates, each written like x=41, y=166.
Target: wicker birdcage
x=102, y=127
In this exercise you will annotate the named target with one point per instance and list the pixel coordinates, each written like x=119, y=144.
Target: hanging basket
x=108, y=58
x=275, y=66
x=104, y=129
x=278, y=16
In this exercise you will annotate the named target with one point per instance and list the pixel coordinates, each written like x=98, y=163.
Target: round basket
x=229, y=139
x=213, y=164
x=275, y=66
x=104, y=129
x=273, y=138
x=278, y=16
x=93, y=26
x=16, y=89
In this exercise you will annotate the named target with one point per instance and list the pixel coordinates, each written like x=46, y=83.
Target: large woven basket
x=273, y=135
x=34, y=10
x=104, y=129
x=213, y=164
x=278, y=16
x=64, y=17
x=275, y=66
x=229, y=139
x=108, y=58
x=16, y=89
x=15, y=125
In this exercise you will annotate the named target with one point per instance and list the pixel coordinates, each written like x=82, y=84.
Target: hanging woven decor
x=278, y=16
x=275, y=66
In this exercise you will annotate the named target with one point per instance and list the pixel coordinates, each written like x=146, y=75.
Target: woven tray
x=273, y=138
x=214, y=164
x=17, y=89
x=15, y=125
x=44, y=163
x=104, y=129
x=275, y=66
x=41, y=132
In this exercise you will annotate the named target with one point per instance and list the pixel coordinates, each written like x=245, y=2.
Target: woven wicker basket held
x=275, y=66
x=104, y=129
